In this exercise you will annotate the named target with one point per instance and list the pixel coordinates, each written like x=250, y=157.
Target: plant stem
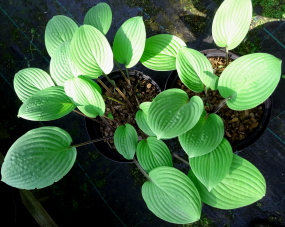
x=141, y=169
x=127, y=79
x=116, y=100
x=207, y=98
x=107, y=123
x=85, y=116
x=218, y=107
x=227, y=57
x=127, y=71
x=119, y=91
x=104, y=86
x=110, y=119
x=119, y=67
x=91, y=141
x=181, y=159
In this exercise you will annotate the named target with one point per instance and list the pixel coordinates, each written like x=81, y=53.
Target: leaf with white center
x=141, y=119
x=39, y=158
x=243, y=186
x=172, y=196
x=61, y=66
x=30, y=80
x=152, y=153
x=249, y=88
x=144, y=106
x=231, y=23
x=161, y=51
x=100, y=17
x=195, y=70
x=129, y=42
x=91, y=52
x=212, y=168
x=126, y=140
x=45, y=105
x=171, y=113
x=204, y=137
x=58, y=30
x=84, y=93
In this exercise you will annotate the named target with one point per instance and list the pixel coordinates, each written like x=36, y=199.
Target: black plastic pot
x=93, y=128
x=266, y=106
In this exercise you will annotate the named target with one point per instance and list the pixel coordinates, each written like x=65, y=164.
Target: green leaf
x=250, y=80
x=126, y=140
x=231, y=23
x=141, y=119
x=91, y=52
x=30, y=80
x=204, y=137
x=152, y=153
x=161, y=51
x=144, y=106
x=110, y=115
x=195, y=70
x=129, y=42
x=58, y=30
x=61, y=66
x=172, y=196
x=46, y=105
x=39, y=158
x=100, y=17
x=171, y=113
x=211, y=168
x=84, y=93
x=243, y=186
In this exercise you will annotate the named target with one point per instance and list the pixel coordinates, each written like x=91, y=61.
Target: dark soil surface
x=137, y=90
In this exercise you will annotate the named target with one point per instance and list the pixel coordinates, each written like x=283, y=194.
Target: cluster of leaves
x=217, y=176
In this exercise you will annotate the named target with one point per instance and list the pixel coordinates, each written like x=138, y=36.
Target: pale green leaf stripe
x=252, y=86
x=61, y=66
x=144, y=106
x=86, y=95
x=38, y=158
x=161, y=51
x=58, y=30
x=30, y=80
x=173, y=200
x=211, y=168
x=129, y=42
x=126, y=140
x=46, y=105
x=141, y=119
x=204, y=137
x=171, y=113
x=152, y=153
x=100, y=17
x=243, y=186
x=86, y=48
x=231, y=23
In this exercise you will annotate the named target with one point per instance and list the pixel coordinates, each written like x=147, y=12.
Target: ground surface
x=98, y=190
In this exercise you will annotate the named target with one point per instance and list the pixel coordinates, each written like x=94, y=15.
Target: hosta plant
x=217, y=177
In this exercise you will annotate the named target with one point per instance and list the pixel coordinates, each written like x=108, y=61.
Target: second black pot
x=266, y=105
